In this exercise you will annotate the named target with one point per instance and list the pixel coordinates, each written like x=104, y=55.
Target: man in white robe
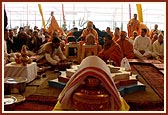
x=158, y=48
x=141, y=45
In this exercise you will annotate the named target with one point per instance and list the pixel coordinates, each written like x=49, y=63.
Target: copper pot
x=92, y=82
x=14, y=85
x=91, y=96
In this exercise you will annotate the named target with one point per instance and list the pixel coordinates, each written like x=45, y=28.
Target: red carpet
x=153, y=77
x=37, y=103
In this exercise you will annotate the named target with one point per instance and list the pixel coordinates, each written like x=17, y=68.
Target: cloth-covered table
x=17, y=70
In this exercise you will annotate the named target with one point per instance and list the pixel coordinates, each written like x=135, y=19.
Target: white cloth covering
x=94, y=66
x=17, y=70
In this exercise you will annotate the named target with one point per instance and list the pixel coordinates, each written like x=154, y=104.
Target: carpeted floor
x=153, y=77
x=37, y=103
x=152, y=99
x=41, y=97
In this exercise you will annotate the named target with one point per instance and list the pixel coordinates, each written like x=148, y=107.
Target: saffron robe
x=127, y=48
x=133, y=25
x=92, y=31
x=113, y=53
x=116, y=37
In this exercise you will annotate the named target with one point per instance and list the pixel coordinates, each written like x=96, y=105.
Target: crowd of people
x=48, y=47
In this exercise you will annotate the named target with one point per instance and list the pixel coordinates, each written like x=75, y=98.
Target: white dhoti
x=146, y=55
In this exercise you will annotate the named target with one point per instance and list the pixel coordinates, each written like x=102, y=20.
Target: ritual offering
x=64, y=65
x=24, y=58
x=121, y=76
x=91, y=88
x=113, y=69
x=17, y=58
x=91, y=96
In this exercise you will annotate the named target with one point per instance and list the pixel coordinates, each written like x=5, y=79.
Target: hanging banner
x=64, y=21
x=130, y=11
x=54, y=25
x=41, y=12
x=63, y=15
x=139, y=10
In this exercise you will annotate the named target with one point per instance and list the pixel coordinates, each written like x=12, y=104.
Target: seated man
x=158, y=48
x=97, y=68
x=51, y=53
x=142, y=46
x=154, y=38
x=34, y=42
x=154, y=31
x=89, y=30
x=126, y=46
x=131, y=39
x=70, y=35
x=116, y=34
x=111, y=51
x=108, y=30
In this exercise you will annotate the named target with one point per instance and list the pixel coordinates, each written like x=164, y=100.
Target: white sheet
x=17, y=70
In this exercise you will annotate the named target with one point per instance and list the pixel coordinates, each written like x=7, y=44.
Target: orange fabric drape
x=54, y=26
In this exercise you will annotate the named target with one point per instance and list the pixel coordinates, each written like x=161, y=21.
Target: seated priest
x=50, y=53
x=108, y=30
x=126, y=46
x=89, y=30
x=91, y=88
x=111, y=51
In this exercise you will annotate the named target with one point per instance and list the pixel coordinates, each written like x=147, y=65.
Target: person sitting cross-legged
x=126, y=46
x=141, y=46
x=111, y=51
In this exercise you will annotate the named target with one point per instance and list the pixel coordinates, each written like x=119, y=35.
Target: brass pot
x=15, y=85
x=91, y=96
x=92, y=82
